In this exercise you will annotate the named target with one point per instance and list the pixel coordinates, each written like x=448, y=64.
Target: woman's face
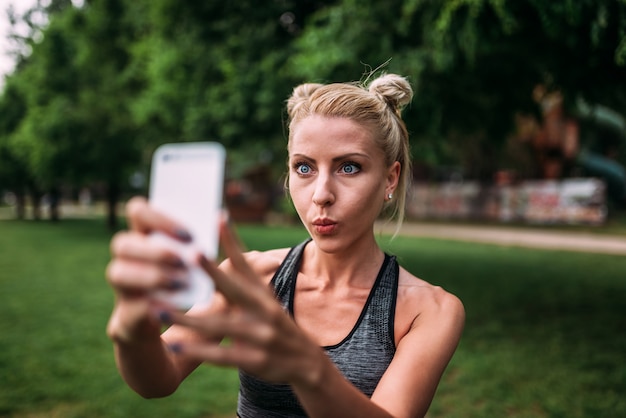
x=338, y=179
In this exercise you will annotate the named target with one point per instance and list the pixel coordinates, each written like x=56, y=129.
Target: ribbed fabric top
x=362, y=357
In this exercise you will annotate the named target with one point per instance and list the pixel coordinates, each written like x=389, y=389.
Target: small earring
x=390, y=196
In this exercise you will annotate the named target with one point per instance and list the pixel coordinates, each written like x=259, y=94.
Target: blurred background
x=519, y=118
x=518, y=113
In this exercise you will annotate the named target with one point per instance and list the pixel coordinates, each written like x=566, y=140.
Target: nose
x=323, y=194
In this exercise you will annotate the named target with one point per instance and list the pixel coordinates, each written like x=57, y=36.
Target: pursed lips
x=324, y=226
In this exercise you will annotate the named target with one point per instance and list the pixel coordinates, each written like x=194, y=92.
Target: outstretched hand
x=246, y=327
x=260, y=337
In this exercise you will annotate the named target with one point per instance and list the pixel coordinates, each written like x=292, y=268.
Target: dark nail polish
x=165, y=317
x=175, y=348
x=183, y=235
x=177, y=262
x=177, y=284
x=203, y=260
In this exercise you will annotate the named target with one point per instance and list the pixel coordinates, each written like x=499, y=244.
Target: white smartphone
x=186, y=183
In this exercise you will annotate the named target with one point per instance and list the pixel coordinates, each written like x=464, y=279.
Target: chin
x=330, y=244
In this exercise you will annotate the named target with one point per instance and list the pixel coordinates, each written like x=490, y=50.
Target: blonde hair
x=378, y=106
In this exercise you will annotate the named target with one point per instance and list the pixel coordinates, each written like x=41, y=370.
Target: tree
x=110, y=81
x=14, y=174
x=109, y=142
x=77, y=127
x=215, y=71
x=474, y=62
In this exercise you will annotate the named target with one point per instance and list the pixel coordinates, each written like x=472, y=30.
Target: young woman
x=331, y=327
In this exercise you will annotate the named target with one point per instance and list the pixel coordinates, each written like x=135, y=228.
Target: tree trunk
x=55, y=198
x=113, y=195
x=20, y=204
x=35, y=196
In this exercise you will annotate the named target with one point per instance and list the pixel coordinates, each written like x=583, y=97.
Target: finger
x=233, y=252
x=248, y=294
x=236, y=355
x=132, y=278
x=237, y=325
x=131, y=245
x=144, y=218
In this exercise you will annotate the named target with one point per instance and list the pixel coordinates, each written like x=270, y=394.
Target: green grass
x=545, y=333
x=545, y=330
x=55, y=359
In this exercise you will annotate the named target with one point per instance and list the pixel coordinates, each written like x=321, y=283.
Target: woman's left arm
x=408, y=386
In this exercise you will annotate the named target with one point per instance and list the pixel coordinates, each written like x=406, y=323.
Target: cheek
x=358, y=197
x=297, y=193
x=368, y=198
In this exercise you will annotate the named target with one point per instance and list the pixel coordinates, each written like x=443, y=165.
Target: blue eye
x=303, y=168
x=350, y=168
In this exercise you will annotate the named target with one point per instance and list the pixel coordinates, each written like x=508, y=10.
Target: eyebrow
x=337, y=158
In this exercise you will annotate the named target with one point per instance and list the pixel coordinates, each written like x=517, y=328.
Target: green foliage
x=474, y=63
x=14, y=173
x=108, y=82
x=76, y=127
x=213, y=72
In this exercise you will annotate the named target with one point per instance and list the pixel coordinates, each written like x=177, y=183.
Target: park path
x=519, y=237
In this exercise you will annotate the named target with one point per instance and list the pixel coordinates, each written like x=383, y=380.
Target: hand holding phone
x=186, y=183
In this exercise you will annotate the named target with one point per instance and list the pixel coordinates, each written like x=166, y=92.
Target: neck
x=356, y=265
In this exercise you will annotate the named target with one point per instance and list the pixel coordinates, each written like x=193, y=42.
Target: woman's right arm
x=137, y=268
x=142, y=358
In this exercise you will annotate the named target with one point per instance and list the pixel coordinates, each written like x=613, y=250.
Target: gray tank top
x=362, y=357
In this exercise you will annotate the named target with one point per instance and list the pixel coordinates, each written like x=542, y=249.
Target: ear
x=393, y=177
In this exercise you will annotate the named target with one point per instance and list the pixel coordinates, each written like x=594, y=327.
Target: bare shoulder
x=420, y=302
x=263, y=263
x=428, y=325
x=426, y=294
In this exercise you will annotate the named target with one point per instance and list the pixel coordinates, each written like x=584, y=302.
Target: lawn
x=545, y=333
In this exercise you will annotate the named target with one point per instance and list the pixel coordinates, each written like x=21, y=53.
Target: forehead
x=337, y=135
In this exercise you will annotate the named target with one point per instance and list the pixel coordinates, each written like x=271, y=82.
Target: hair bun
x=392, y=89
x=300, y=97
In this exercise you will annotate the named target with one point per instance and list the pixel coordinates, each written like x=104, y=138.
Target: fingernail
x=177, y=284
x=226, y=217
x=202, y=260
x=183, y=235
x=165, y=317
x=177, y=262
x=175, y=348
